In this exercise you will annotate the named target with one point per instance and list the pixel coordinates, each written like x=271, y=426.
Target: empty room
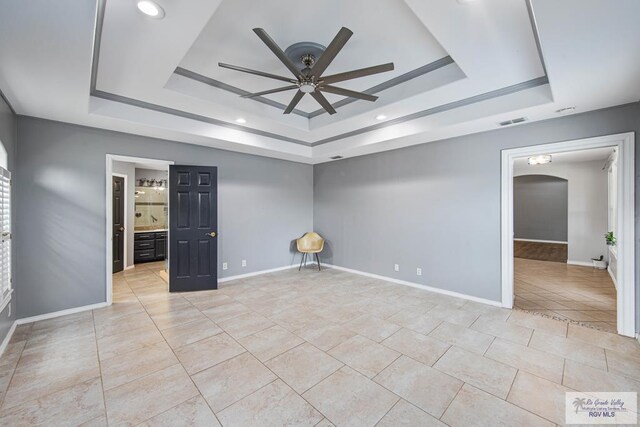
x=340, y=213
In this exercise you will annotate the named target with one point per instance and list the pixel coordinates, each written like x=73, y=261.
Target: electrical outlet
x=396, y=267
x=244, y=262
x=225, y=266
x=419, y=271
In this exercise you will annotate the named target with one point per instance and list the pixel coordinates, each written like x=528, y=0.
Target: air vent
x=513, y=121
x=335, y=157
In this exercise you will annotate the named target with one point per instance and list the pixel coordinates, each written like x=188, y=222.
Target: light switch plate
x=225, y=266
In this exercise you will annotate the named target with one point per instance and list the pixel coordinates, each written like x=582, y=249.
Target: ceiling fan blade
x=362, y=72
x=331, y=51
x=267, y=92
x=323, y=102
x=349, y=93
x=296, y=98
x=257, y=73
x=276, y=49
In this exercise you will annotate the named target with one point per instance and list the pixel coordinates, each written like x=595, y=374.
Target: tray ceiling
x=459, y=68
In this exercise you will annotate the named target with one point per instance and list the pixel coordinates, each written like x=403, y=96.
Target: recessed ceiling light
x=241, y=120
x=565, y=110
x=381, y=117
x=540, y=160
x=151, y=9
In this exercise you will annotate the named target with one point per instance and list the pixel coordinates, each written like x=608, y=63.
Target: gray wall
x=60, y=239
x=128, y=169
x=9, y=139
x=437, y=205
x=540, y=207
x=588, y=202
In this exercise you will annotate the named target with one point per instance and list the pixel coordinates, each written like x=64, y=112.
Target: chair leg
x=301, y=260
x=318, y=258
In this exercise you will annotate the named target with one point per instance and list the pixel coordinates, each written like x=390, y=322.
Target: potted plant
x=610, y=238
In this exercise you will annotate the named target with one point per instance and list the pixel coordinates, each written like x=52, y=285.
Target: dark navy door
x=193, y=228
x=118, y=223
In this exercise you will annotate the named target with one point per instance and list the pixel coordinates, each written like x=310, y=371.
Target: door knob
x=212, y=234
x=121, y=228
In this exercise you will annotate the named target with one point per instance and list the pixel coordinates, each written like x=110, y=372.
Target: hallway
x=576, y=293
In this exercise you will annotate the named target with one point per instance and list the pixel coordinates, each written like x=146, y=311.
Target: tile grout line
x=180, y=363
x=13, y=372
x=43, y=395
x=313, y=308
x=452, y=400
x=104, y=399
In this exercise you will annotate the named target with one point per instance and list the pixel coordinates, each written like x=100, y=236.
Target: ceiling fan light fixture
x=307, y=62
x=151, y=9
x=307, y=87
x=540, y=160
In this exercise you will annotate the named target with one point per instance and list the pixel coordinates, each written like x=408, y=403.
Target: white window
x=5, y=237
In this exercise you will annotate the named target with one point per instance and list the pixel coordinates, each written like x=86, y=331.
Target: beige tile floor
x=570, y=292
x=303, y=348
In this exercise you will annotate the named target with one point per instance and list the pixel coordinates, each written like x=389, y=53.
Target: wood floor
x=577, y=293
x=555, y=252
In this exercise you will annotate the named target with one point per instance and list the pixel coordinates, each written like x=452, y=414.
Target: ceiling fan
x=307, y=61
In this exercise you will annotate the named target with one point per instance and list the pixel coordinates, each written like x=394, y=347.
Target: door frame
x=110, y=158
x=126, y=219
x=625, y=275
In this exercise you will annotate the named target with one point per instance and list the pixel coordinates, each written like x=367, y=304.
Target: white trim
x=130, y=267
x=109, y=211
x=255, y=273
x=580, y=263
x=126, y=216
x=7, y=338
x=418, y=285
x=613, y=277
x=626, y=221
x=542, y=241
x=61, y=313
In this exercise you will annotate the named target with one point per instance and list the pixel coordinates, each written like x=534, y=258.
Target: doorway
x=143, y=228
x=536, y=277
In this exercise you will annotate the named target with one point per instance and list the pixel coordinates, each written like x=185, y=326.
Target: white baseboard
x=581, y=263
x=60, y=313
x=255, y=273
x=419, y=286
x=5, y=341
x=613, y=277
x=129, y=267
x=558, y=242
x=104, y=304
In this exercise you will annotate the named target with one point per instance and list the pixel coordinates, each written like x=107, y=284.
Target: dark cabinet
x=161, y=248
x=150, y=246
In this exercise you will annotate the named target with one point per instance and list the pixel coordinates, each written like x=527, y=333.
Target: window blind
x=5, y=237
